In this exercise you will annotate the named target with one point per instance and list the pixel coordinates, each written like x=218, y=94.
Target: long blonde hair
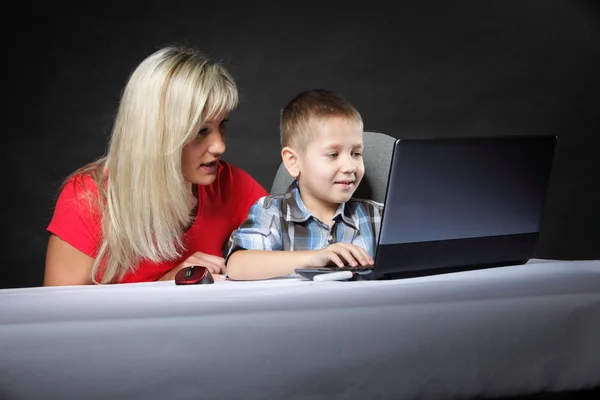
x=142, y=197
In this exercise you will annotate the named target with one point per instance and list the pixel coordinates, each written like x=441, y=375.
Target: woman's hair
x=142, y=197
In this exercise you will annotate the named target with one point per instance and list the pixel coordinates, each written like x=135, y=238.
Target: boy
x=317, y=218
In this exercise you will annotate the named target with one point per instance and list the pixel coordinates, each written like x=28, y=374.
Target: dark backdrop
x=413, y=68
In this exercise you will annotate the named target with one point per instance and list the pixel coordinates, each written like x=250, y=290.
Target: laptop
x=458, y=204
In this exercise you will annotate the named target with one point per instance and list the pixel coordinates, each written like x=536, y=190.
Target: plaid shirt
x=282, y=222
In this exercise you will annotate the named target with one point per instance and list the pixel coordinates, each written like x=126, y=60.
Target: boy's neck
x=324, y=211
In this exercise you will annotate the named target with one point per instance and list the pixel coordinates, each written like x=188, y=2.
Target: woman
x=161, y=199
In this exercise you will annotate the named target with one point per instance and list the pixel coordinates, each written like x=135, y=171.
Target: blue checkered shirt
x=282, y=222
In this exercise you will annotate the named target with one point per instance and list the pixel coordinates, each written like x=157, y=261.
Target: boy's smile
x=345, y=184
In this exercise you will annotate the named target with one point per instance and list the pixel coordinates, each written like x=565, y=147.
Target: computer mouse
x=193, y=275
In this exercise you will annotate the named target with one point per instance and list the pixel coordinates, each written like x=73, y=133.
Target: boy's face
x=331, y=167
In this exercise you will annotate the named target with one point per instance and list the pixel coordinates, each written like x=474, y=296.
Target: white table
x=496, y=332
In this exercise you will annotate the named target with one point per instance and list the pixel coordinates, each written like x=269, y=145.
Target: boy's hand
x=342, y=254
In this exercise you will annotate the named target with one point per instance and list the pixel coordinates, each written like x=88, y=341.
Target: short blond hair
x=294, y=127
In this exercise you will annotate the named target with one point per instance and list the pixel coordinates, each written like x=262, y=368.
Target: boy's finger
x=366, y=260
x=348, y=256
x=361, y=255
x=336, y=259
x=355, y=256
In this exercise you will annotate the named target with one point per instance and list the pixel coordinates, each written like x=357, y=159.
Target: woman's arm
x=65, y=265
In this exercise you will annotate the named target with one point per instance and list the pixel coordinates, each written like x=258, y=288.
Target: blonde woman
x=161, y=198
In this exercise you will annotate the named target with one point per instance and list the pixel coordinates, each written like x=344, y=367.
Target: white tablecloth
x=495, y=332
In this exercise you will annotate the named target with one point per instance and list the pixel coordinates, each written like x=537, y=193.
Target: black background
x=412, y=68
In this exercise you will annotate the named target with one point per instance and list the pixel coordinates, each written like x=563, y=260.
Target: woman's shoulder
x=231, y=172
x=82, y=181
x=79, y=193
x=236, y=185
x=232, y=177
x=76, y=204
x=78, y=185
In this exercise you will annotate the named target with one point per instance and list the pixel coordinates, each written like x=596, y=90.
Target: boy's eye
x=357, y=154
x=332, y=155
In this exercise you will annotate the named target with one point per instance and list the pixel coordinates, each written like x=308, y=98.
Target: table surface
x=495, y=332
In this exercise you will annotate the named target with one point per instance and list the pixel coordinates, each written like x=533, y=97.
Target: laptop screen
x=448, y=189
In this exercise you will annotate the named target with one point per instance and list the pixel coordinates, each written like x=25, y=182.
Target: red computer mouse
x=193, y=275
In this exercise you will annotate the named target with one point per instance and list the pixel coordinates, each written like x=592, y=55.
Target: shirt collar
x=297, y=211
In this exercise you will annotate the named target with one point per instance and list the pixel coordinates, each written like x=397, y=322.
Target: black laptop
x=457, y=204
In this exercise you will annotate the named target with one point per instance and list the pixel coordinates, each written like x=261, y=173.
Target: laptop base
x=370, y=274
x=447, y=270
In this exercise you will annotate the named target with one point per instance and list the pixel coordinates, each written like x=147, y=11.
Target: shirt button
x=330, y=238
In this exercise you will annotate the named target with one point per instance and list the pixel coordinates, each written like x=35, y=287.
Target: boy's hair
x=294, y=126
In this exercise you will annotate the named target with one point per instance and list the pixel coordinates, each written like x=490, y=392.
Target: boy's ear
x=290, y=161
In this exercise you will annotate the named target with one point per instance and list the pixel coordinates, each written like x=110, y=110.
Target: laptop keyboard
x=348, y=268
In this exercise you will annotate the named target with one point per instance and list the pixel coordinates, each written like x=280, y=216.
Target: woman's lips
x=209, y=166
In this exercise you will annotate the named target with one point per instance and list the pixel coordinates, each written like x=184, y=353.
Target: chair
x=377, y=156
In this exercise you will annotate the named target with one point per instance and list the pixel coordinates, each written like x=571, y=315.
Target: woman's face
x=200, y=158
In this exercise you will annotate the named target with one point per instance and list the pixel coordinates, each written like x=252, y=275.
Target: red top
x=222, y=207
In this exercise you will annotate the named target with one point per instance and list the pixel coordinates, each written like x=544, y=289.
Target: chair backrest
x=377, y=156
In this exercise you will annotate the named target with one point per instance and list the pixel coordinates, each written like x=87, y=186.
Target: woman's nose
x=217, y=143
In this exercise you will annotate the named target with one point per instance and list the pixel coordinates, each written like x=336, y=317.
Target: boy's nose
x=349, y=166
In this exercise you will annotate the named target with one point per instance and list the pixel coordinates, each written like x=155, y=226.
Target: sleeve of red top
x=74, y=221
